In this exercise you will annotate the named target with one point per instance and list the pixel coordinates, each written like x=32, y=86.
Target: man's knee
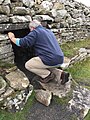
x=28, y=66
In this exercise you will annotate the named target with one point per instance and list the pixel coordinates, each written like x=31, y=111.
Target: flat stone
x=44, y=17
x=18, y=19
x=4, y=19
x=20, y=11
x=17, y=80
x=8, y=92
x=6, y=49
x=11, y=26
x=3, y=37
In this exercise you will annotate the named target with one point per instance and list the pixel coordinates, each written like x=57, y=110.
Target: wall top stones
x=66, y=12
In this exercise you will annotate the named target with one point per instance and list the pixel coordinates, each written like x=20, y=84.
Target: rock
x=80, y=104
x=20, y=11
x=4, y=10
x=28, y=3
x=47, y=5
x=2, y=85
x=7, y=93
x=58, y=6
x=17, y=80
x=61, y=13
x=18, y=19
x=43, y=97
x=1, y=1
x=6, y=2
x=3, y=37
x=44, y=17
x=82, y=50
x=17, y=101
x=11, y=26
x=6, y=49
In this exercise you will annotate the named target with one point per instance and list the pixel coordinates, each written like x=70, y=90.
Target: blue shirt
x=45, y=45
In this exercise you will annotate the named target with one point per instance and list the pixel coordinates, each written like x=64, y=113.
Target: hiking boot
x=64, y=77
x=47, y=79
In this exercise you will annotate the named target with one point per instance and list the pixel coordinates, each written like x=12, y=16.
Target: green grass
x=70, y=49
x=65, y=99
x=81, y=71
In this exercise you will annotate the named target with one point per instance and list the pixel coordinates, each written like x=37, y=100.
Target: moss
x=6, y=65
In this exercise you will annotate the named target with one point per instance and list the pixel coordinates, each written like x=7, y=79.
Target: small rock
x=43, y=97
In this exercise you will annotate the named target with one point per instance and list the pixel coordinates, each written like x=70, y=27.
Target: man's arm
x=13, y=39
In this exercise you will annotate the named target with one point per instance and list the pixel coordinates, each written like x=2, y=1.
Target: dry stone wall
x=68, y=19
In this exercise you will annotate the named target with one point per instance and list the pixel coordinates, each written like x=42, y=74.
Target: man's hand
x=11, y=35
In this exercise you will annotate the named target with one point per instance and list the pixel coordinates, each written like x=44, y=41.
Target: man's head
x=33, y=24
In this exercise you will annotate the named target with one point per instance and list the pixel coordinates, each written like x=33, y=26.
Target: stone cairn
x=69, y=20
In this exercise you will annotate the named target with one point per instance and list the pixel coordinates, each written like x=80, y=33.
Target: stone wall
x=68, y=19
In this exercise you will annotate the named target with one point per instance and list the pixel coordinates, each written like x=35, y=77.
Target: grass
x=81, y=72
x=71, y=48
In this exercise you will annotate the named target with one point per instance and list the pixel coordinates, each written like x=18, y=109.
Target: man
x=48, y=53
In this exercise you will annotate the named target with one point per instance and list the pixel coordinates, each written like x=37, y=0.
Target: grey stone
x=43, y=97
x=20, y=11
x=9, y=91
x=16, y=103
x=28, y=3
x=3, y=37
x=61, y=13
x=6, y=49
x=2, y=85
x=17, y=80
x=16, y=26
x=44, y=17
x=4, y=9
x=47, y=5
x=1, y=1
x=6, y=2
x=19, y=19
x=80, y=104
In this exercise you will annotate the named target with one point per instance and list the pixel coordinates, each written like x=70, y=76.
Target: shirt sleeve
x=28, y=40
x=17, y=41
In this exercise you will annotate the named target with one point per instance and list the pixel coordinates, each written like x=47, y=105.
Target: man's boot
x=64, y=77
x=47, y=79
